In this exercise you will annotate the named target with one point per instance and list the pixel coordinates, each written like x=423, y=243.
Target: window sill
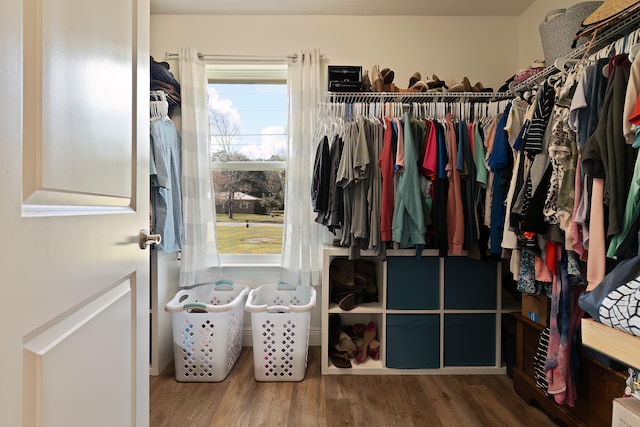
x=249, y=260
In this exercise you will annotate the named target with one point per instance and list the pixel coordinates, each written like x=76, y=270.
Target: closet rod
x=350, y=97
x=602, y=39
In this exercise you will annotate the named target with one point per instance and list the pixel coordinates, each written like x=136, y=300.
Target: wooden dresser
x=596, y=384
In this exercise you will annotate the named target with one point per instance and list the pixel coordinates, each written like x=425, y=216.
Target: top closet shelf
x=340, y=251
x=602, y=39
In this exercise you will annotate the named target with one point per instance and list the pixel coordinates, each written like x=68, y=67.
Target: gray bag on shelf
x=559, y=28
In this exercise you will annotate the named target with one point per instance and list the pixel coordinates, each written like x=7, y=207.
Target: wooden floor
x=339, y=400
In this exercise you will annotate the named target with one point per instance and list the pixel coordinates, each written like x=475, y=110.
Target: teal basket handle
x=224, y=285
x=284, y=286
x=195, y=305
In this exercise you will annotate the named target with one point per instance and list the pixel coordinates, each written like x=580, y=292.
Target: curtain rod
x=248, y=58
x=240, y=58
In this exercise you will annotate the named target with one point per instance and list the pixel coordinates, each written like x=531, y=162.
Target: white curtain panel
x=302, y=240
x=200, y=261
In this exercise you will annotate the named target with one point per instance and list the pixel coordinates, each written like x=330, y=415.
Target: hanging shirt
x=320, y=181
x=400, y=153
x=386, y=162
x=408, y=220
x=455, y=215
x=430, y=162
x=605, y=154
x=500, y=162
x=166, y=193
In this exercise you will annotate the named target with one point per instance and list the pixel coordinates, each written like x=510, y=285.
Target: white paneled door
x=74, y=157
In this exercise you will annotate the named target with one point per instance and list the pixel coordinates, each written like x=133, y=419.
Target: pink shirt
x=596, y=265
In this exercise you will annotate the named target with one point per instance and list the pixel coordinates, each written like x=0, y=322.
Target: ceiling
x=341, y=7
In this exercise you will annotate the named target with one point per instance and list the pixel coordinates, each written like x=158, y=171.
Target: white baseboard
x=315, y=337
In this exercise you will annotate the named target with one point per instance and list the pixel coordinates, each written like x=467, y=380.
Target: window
x=248, y=120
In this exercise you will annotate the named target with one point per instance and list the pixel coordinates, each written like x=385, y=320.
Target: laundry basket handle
x=284, y=286
x=189, y=305
x=224, y=285
x=174, y=306
x=553, y=12
x=307, y=307
x=278, y=309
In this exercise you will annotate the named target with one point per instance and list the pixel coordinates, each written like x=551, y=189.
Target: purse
x=615, y=302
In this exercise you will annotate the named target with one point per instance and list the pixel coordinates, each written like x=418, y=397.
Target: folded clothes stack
x=162, y=79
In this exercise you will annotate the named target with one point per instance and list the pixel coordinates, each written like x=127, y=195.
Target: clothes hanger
x=158, y=105
x=565, y=64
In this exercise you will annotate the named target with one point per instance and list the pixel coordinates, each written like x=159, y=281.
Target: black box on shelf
x=337, y=86
x=345, y=78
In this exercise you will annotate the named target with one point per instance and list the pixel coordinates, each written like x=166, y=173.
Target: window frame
x=262, y=72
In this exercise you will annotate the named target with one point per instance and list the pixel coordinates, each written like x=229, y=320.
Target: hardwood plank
x=339, y=400
x=450, y=409
x=236, y=403
x=308, y=405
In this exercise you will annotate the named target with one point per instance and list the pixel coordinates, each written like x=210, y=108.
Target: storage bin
x=413, y=284
x=559, y=28
x=280, y=317
x=470, y=339
x=470, y=284
x=345, y=78
x=207, y=323
x=413, y=341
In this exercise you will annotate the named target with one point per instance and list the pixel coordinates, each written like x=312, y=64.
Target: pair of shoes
x=467, y=85
x=352, y=282
x=381, y=80
x=415, y=78
x=362, y=351
x=387, y=75
x=376, y=79
x=355, y=331
x=364, y=276
x=374, y=349
x=366, y=82
x=334, y=329
x=478, y=87
x=345, y=343
x=347, y=302
x=418, y=86
x=340, y=359
x=343, y=289
x=435, y=83
x=464, y=86
x=391, y=87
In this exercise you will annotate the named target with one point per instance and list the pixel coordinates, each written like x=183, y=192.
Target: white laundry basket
x=280, y=317
x=207, y=323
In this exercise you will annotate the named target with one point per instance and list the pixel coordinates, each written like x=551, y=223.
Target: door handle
x=145, y=239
